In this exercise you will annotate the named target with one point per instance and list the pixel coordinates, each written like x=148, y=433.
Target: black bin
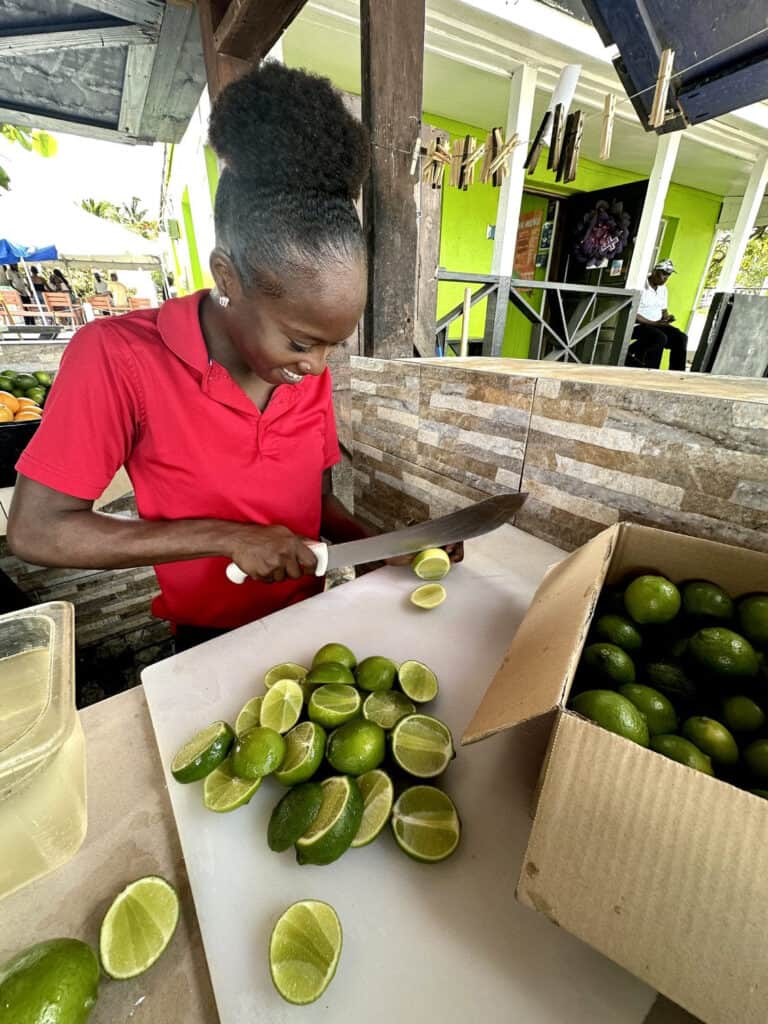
x=14, y=438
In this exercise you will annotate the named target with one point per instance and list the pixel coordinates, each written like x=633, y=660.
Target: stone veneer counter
x=591, y=446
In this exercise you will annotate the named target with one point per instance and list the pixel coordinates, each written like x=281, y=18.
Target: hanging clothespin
x=556, y=139
x=569, y=157
x=609, y=115
x=418, y=150
x=531, y=161
x=496, y=156
x=457, y=156
x=664, y=77
x=438, y=155
x=474, y=155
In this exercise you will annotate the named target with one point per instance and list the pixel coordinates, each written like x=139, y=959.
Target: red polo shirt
x=139, y=390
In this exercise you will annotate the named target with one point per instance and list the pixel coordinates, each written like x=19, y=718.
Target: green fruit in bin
x=36, y=394
x=723, y=653
x=43, y=377
x=6, y=384
x=760, y=792
x=657, y=709
x=608, y=664
x=742, y=714
x=55, y=981
x=25, y=381
x=711, y=737
x=618, y=630
x=705, y=600
x=677, y=748
x=756, y=758
x=614, y=713
x=8, y=373
x=753, y=618
x=652, y=600
x=670, y=679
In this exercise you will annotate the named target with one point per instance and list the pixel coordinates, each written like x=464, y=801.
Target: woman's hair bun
x=280, y=128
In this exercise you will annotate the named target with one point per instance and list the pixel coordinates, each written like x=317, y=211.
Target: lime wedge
x=336, y=824
x=304, y=750
x=425, y=824
x=378, y=794
x=249, y=716
x=431, y=564
x=340, y=654
x=304, y=951
x=200, y=755
x=282, y=704
x=429, y=595
x=417, y=681
x=137, y=927
x=285, y=670
x=224, y=791
x=422, y=745
x=387, y=707
x=293, y=814
x=334, y=704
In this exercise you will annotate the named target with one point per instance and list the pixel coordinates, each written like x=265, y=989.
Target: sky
x=84, y=168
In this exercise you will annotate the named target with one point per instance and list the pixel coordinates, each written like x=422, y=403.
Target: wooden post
x=653, y=207
x=392, y=51
x=219, y=69
x=465, y=315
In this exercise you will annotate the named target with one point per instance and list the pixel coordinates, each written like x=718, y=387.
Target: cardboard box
x=661, y=868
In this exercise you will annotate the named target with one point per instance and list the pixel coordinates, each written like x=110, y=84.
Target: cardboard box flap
x=544, y=652
x=661, y=868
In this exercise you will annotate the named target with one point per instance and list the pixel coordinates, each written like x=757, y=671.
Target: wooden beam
x=139, y=12
x=74, y=36
x=220, y=69
x=249, y=29
x=138, y=71
x=31, y=118
x=392, y=43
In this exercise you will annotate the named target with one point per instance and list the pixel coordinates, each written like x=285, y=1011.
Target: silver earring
x=224, y=301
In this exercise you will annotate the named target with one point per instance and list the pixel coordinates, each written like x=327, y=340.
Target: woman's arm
x=46, y=527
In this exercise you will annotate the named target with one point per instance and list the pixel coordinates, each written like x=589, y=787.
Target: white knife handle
x=320, y=550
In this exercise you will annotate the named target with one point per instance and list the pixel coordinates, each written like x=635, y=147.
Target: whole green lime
x=712, y=738
x=652, y=600
x=356, y=747
x=753, y=618
x=724, y=653
x=756, y=758
x=376, y=673
x=657, y=709
x=53, y=982
x=742, y=714
x=670, y=679
x=257, y=753
x=705, y=600
x=613, y=712
x=607, y=664
x=677, y=748
x=618, y=630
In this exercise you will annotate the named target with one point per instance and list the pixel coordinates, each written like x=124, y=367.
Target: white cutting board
x=440, y=943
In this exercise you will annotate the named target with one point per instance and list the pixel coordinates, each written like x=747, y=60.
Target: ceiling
x=123, y=70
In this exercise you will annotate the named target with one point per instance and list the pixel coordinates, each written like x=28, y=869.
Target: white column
x=750, y=204
x=653, y=207
x=522, y=91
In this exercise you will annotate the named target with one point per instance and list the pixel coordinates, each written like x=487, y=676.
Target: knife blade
x=469, y=522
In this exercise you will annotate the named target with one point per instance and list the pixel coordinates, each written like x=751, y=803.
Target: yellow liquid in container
x=43, y=816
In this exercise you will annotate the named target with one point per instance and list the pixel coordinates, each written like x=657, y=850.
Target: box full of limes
x=648, y=651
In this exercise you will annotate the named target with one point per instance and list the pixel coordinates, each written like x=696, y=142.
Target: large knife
x=469, y=522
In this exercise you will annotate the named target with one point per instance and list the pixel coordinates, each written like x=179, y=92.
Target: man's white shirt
x=653, y=302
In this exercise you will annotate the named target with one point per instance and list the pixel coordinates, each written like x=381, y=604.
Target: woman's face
x=281, y=339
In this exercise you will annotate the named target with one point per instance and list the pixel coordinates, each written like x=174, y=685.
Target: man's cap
x=667, y=266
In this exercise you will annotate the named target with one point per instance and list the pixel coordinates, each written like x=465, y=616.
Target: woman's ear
x=225, y=275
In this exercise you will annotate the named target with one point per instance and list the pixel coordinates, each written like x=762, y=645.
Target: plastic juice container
x=43, y=815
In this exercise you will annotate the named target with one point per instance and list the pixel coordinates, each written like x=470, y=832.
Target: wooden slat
x=220, y=69
x=250, y=28
x=139, y=12
x=429, y=225
x=31, y=118
x=138, y=71
x=392, y=41
x=74, y=37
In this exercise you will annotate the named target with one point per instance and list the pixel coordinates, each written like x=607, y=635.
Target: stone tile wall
x=431, y=438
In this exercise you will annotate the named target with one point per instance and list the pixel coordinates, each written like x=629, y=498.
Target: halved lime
x=387, y=708
x=425, y=824
x=378, y=795
x=304, y=951
x=249, y=716
x=200, y=755
x=336, y=824
x=356, y=747
x=340, y=654
x=429, y=595
x=334, y=704
x=282, y=704
x=259, y=752
x=417, y=681
x=224, y=791
x=285, y=670
x=304, y=750
x=422, y=745
x=138, y=926
x=293, y=814
x=431, y=564
x=330, y=672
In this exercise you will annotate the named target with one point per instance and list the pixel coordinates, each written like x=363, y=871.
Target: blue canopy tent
x=12, y=252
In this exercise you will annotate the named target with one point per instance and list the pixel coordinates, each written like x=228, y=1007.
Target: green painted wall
x=466, y=215
x=212, y=170
x=191, y=241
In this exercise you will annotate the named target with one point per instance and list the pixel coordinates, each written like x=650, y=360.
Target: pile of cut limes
x=682, y=669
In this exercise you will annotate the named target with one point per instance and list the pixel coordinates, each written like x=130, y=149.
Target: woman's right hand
x=271, y=553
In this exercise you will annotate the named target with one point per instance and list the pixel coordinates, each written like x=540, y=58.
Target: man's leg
x=647, y=348
x=677, y=343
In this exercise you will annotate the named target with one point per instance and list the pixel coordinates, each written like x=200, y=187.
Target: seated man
x=653, y=329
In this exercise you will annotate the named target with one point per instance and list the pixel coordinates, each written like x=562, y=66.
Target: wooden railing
x=577, y=323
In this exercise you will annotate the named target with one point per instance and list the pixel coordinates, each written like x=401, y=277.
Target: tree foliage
x=131, y=215
x=754, y=265
x=32, y=140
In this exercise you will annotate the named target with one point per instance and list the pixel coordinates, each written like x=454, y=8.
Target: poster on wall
x=528, y=234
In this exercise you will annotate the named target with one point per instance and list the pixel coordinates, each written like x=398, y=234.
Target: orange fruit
x=5, y=414
x=26, y=414
x=26, y=403
x=9, y=400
